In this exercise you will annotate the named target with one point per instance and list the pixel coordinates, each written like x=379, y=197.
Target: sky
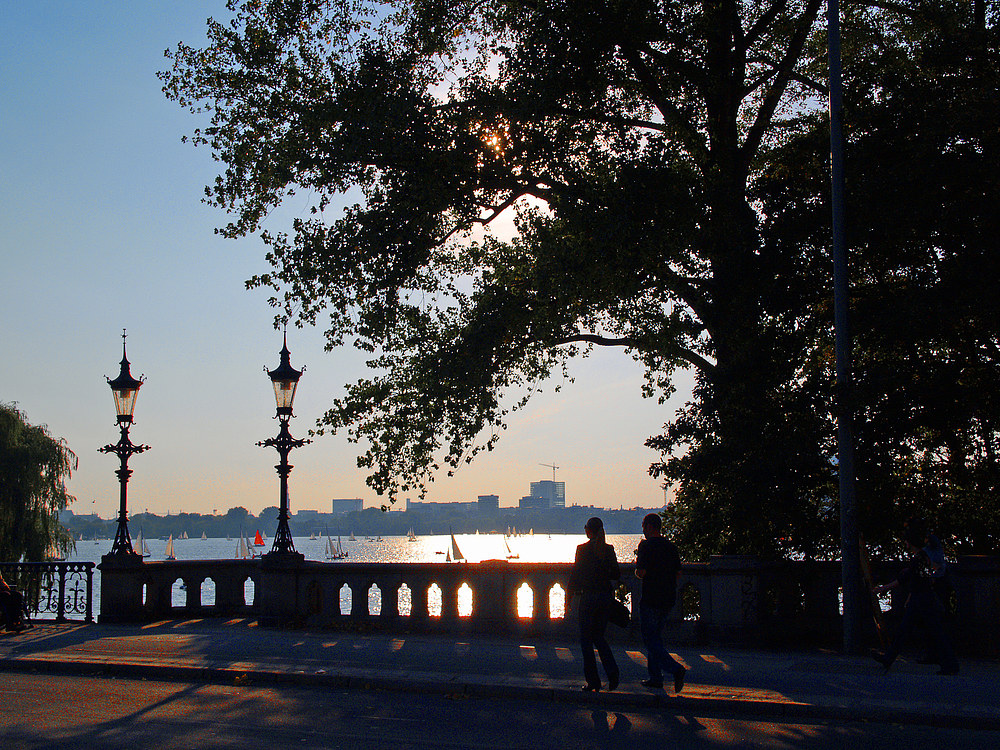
x=103, y=229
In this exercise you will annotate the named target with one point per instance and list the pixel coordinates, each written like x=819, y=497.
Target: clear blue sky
x=103, y=229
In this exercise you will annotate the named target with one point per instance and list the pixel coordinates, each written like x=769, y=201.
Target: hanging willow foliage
x=33, y=469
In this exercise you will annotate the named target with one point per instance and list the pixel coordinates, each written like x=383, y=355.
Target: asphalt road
x=54, y=711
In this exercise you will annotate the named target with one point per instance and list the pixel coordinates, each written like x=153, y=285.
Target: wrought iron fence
x=64, y=590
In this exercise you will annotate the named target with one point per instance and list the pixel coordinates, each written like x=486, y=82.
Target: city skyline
x=104, y=230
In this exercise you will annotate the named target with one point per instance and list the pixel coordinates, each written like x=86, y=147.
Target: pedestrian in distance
x=658, y=565
x=922, y=605
x=595, y=570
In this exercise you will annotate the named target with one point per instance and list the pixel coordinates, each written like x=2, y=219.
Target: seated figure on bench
x=11, y=606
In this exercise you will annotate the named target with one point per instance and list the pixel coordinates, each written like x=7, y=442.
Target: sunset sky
x=103, y=229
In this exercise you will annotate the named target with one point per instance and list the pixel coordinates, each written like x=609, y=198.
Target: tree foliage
x=33, y=469
x=924, y=180
x=642, y=144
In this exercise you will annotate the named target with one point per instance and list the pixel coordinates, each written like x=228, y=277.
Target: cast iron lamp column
x=284, y=378
x=125, y=389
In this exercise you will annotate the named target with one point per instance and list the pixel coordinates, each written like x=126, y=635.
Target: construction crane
x=553, y=467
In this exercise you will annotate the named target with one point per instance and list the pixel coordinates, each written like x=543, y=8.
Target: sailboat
x=139, y=546
x=411, y=536
x=457, y=553
x=351, y=538
x=334, y=552
x=258, y=541
x=203, y=536
x=168, y=553
x=312, y=537
x=510, y=555
x=243, y=549
x=184, y=535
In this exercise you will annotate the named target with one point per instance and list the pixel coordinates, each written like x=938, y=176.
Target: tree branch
x=757, y=30
x=784, y=74
x=673, y=119
x=687, y=355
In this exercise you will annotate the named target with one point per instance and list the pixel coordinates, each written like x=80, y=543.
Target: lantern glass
x=125, y=402
x=284, y=394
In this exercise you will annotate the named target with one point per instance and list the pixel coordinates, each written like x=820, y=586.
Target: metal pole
x=283, y=443
x=122, y=545
x=849, y=552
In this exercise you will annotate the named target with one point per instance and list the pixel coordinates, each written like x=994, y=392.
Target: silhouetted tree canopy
x=642, y=144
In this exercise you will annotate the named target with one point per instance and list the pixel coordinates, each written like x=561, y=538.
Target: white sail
x=139, y=546
x=351, y=538
x=168, y=553
x=203, y=536
x=457, y=553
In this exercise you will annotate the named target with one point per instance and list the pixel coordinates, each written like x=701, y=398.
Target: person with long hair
x=595, y=570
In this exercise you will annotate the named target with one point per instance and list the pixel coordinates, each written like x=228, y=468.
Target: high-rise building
x=341, y=505
x=554, y=493
x=489, y=503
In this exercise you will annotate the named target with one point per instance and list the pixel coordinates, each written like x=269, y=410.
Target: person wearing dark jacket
x=594, y=570
x=658, y=564
x=917, y=581
x=11, y=604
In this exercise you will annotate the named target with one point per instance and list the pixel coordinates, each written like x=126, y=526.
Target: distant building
x=533, y=502
x=489, y=504
x=341, y=506
x=553, y=493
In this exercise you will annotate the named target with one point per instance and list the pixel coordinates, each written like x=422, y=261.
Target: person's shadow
x=616, y=732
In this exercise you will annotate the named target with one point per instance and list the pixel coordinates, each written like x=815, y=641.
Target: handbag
x=619, y=614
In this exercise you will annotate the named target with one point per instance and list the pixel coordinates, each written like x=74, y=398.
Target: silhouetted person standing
x=594, y=569
x=917, y=582
x=658, y=564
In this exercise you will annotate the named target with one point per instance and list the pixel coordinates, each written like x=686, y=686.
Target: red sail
x=258, y=541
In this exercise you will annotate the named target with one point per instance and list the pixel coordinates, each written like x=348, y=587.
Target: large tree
x=628, y=135
x=33, y=469
x=924, y=183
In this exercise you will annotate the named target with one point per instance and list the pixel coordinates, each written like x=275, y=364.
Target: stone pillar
x=976, y=579
x=121, y=588
x=276, y=590
x=734, y=584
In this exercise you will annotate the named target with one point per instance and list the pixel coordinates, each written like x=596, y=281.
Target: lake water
x=475, y=548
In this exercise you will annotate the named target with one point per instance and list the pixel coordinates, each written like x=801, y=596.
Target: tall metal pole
x=844, y=407
x=283, y=443
x=123, y=449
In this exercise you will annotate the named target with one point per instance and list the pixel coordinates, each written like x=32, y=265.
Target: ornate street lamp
x=125, y=389
x=285, y=379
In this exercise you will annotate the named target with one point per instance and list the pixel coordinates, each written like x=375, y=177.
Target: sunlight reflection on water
x=524, y=548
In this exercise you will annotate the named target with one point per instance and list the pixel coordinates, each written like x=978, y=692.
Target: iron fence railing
x=59, y=590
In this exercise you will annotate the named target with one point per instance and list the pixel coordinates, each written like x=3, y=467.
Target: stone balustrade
x=729, y=599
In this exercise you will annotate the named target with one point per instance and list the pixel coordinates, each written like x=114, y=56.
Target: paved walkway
x=806, y=685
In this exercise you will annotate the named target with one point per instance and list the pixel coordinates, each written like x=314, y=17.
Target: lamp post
x=125, y=389
x=850, y=562
x=285, y=379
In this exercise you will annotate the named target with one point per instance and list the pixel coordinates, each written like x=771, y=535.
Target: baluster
x=60, y=568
